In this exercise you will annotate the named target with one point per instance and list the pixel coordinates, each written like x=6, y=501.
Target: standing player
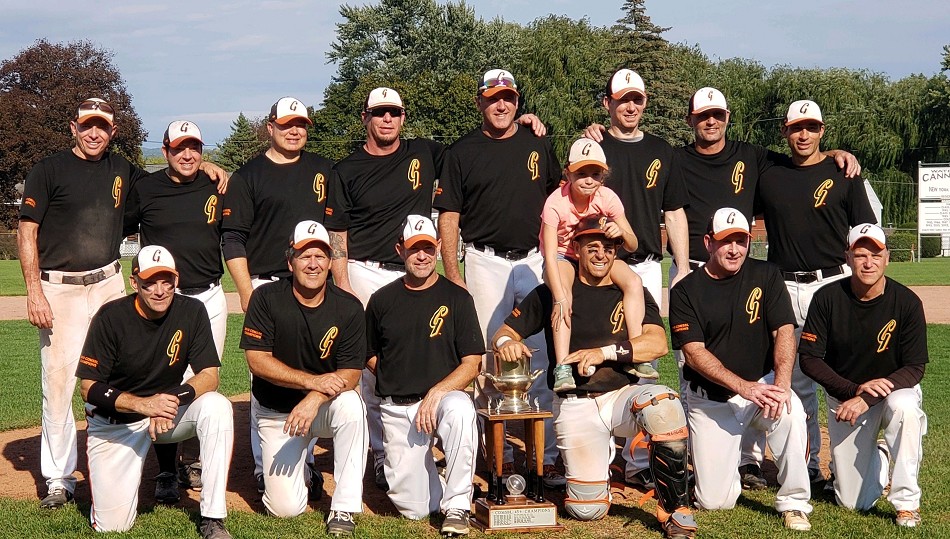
x=496, y=180
x=809, y=206
x=424, y=344
x=865, y=342
x=305, y=344
x=271, y=194
x=739, y=357
x=609, y=391
x=138, y=350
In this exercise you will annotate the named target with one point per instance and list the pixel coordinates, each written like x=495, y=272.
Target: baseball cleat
x=552, y=478
x=166, y=488
x=57, y=497
x=751, y=476
x=796, y=520
x=680, y=525
x=189, y=475
x=642, y=480
x=340, y=523
x=908, y=519
x=455, y=523
x=213, y=528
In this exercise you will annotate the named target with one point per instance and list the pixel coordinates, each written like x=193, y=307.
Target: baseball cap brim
x=178, y=141
x=420, y=238
x=574, y=167
x=700, y=110
x=85, y=116
x=619, y=94
x=284, y=120
x=489, y=92
x=800, y=120
x=151, y=272
x=722, y=234
x=302, y=244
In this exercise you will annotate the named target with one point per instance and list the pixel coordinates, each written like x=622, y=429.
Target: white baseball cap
x=497, y=80
x=624, y=82
x=869, y=231
x=153, y=259
x=287, y=109
x=727, y=221
x=95, y=108
x=180, y=131
x=383, y=97
x=585, y=152
x=707, y=98
x=803, y=110
x=418, y=228
x=309, y=231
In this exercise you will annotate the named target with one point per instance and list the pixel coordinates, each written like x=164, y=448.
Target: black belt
x=406, y=401
x=805, y=277
x=92, y=277
x=389, y=266
x=116, y=419
x=510, y=254
x=195, y=290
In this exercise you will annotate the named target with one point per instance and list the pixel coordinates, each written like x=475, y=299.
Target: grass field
x=752, y=518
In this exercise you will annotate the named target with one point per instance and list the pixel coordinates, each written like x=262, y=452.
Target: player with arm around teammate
x=865, y=342
x=130, y=372
x=607, y=401
x=734, y=323
x=305, y=344
x=425, y=346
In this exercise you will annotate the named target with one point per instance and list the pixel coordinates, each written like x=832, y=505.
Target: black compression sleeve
x=903, y=378
x=233, y=244
x=836, y=385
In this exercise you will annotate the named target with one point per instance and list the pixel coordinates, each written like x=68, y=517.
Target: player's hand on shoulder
x=878, y=387
x=39, y=311
x=595, y=132
x=427, y=416
x=330, y=384
x=851, y=409
x=534, y=123
x=301, y=417
x=217, y=174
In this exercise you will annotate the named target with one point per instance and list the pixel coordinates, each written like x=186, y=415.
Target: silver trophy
x=512, y=379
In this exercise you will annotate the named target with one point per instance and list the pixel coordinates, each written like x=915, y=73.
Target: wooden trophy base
x=518, y=514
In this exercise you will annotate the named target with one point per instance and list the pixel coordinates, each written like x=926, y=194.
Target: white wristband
x=501, y=340
x=609, y=351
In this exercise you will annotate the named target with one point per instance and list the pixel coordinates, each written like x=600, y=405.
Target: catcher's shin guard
x=668, y=463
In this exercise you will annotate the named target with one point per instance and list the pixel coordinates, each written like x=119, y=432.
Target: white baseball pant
x=217, y=306
x=343, y=419
x=498, y=286
x=255, y=435
x=415, y=486
x=117, y=456
x=716, y=433
x=861, y=471
x=60, y=347
x=365, y=279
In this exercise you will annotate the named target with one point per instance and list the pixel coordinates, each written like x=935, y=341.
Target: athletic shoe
x=56, y=498
x=642, y=480
x=213, y=528
x=680, y=525
x=796, y=520
x=643, y=370
x=381, y=482
x=908, y=519
x=189, y=475
x=563, y=379
x=455, y=523
x=166, y=488
x=553, y=478
x=340, y=523
x=751, y=476
x=315, y=490
x=260, y=484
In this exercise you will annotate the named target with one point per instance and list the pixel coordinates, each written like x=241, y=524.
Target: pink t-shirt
x=560, y=213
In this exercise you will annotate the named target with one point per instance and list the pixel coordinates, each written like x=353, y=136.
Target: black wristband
x=185, y=394
x=103, y=397
x=624, y=351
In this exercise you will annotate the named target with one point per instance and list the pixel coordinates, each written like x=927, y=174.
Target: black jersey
x=78, y=205
x=318, y=340
x=380, y=191
x=808, y=213
x=145, y=357
x=185, y=218
x=499, y=187
x=733, y=317
x=597, y=320
x=420, y=336
x=727, y=179
x=266, y=200
x=863, y=340
x=648, y=179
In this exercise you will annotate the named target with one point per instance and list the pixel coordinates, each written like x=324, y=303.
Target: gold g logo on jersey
x=884, y=336
x=738, y=177
x=211, y=209
x=822, y=192
x=653, y=173
x=320, y=187
x=414, y=176
x=117, y=190
x=616, y=318
x=752, y=304
x=533, y=167
x=437, y=321
x=173, y=347
x=326, y=343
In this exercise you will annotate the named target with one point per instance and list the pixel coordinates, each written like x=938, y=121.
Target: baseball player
x=425, y=345
x=865, y=342
x=68, y=241
x=305, y=344
x=496, y=180
x=133, y=361
x=809, y=206
x=601, y=348
x=271, y=194
x=735, y=325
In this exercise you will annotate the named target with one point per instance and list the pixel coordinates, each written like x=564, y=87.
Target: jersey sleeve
x=343, y=201
x=334, y=218
x=684, y=323
x=814, y=339
x=468, y=333
x=913, y=334
x=258, y=333
x=675, y=195
x=651, y=313
x=778, y=305
x=448, y=196
x=373, y=343
x=351, y=351
x=529, y=318
x=99, y=352
x=765, y=158
x=554, y=167
x=201, y=351
x=36, y=194
x=238, y=211
x=859, y=207
x=133, y=212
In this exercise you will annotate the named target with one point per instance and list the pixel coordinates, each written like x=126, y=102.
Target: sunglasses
x=719, y=115
x=379, y=112
x=96, y=105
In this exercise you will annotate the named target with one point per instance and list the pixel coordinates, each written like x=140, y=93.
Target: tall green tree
x=241, y=145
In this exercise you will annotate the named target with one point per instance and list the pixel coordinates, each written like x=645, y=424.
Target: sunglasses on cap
x=379, y=112
x=96, y=105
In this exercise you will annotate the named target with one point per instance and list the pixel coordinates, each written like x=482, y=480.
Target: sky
x=211, y=60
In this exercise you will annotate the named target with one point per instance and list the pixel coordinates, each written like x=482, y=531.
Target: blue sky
x=213, y=59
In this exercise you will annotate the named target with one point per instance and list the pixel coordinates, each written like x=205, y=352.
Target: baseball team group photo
x=525, y=296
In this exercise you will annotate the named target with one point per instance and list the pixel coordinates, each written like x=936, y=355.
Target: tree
x=40, y=90
x=242, y=144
